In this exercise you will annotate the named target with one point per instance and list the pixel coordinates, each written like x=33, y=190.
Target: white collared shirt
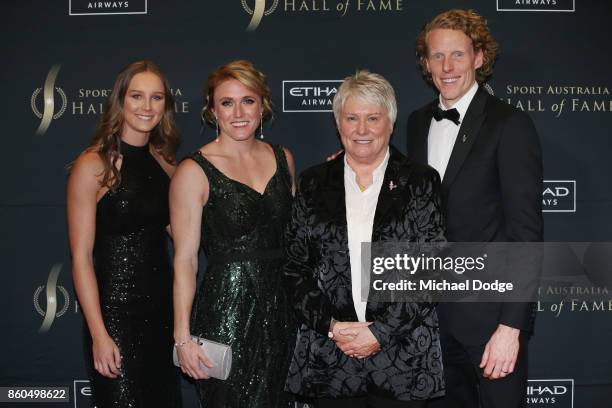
x=360, y=210
x=442, y=134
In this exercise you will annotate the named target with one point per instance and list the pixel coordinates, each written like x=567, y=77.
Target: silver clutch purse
x=219, y=354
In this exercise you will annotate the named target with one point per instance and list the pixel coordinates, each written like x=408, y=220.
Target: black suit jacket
x=318, y=272
x=492, y=192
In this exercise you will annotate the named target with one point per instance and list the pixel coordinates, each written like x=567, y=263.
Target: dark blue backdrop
x=555, y=63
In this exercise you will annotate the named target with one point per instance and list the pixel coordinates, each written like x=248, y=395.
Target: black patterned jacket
x=408, y=366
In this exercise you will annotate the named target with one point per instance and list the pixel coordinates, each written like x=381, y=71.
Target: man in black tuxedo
x=488, y=156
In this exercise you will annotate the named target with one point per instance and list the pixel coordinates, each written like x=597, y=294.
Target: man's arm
x=520, y=175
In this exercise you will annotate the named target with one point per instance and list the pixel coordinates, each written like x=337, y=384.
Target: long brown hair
x=164, y=137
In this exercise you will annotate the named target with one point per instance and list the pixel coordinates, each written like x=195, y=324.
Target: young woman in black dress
x=117, y=218
x=232, y=198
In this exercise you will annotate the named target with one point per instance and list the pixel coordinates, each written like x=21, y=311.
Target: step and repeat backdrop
x=555, y=63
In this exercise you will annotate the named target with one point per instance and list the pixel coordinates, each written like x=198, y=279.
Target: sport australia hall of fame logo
x=52, y=308
x=49, y=102
x=257, y=12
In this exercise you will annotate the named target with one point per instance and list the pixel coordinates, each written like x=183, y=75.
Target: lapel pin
x=392, y=185
x=464, y=138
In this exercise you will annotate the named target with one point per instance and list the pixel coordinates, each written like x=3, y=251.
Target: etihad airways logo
x=82, y=394
x=558, y=393
x=536, y=5
x=309, y=95
x=559, y=196
x=106, y=7
x=257, y=9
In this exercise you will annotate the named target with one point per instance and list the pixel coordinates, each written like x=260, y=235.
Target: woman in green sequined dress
x=232, y=198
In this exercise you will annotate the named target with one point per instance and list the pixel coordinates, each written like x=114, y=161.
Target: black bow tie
x=450, y=114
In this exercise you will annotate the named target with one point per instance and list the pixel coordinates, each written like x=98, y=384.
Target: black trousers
x=465, y=385
x=366, y=402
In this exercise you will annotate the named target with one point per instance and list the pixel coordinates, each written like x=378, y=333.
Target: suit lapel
x=387, y=197
x=468, y=131
x=333, y=197
x=420, y=154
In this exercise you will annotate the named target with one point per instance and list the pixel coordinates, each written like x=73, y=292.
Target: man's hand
x=363, y=344
x=500, y=353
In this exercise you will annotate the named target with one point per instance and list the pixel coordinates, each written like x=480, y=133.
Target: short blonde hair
x=244, y=72
x=369, y=87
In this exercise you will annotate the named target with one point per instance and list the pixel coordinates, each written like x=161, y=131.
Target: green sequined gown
x=242, y=300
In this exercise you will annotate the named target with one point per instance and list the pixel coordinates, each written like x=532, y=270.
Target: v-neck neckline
x=240, y=183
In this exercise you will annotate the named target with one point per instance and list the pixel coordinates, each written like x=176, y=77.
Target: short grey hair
x=369, y=87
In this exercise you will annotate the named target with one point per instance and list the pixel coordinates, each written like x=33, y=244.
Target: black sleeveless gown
x=135, y=284
x=242, y=300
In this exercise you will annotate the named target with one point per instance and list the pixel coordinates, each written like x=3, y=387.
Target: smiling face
x=143, y=105
x=238, y=109
x=452, y=63
x=365, y=130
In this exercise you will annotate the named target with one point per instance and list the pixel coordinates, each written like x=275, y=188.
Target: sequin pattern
x=241, y=301
x=135, y=285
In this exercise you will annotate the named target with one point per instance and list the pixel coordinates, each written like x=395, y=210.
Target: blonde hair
x=244, y=72
x=369, y=87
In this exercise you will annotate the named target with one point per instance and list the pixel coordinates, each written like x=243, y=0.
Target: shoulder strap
x=206, y=166
x=283, y=166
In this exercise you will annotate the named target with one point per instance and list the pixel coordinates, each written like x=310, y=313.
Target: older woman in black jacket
x=352, y=352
